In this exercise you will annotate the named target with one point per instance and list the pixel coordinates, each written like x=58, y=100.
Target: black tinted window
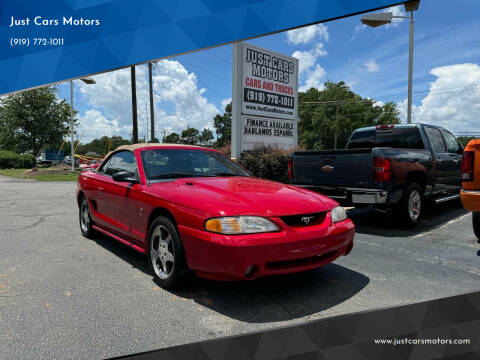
x=361, y=139
x=436, y=139
x=400, y=138
x=165, y=163
x=452, y=144
x=121, y=161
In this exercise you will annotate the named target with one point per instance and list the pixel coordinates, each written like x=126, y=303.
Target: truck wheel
x=411, y=205
x=166, y=256
x=476, y=223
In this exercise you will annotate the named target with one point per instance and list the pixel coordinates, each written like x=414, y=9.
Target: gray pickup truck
x=393, y=167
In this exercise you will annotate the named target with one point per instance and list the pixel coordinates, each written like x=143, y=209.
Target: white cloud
x=178, y=101
x=371, y=65
x=398, y=10
x=225, y=102
x=305, y=60
x=308, y=58
x=307, y=34
x=314, y=78
x=93, y=122
x=308, y=67
x=452, y=101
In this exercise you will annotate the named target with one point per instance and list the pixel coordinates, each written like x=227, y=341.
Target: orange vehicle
x=470, y=193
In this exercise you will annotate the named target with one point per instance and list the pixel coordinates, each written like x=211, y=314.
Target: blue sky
x=191, y=89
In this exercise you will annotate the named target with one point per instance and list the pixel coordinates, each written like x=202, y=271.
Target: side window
x=407, y=138
x=452, y=144
x=436, y=140
x=104, y=167
x=121, y=161
x=361, y=139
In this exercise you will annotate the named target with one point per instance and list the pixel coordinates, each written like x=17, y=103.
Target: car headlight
x=338, y=214
x=240, y=225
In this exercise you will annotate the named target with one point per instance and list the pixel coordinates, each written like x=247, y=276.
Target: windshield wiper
x=171, y=176
x=223, y=174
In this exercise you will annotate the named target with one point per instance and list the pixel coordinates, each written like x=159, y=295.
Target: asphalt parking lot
x=63, y=296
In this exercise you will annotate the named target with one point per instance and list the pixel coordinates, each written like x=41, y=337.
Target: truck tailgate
x=336, y=168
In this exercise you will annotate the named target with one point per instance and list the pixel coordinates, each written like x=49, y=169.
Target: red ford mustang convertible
x=192, y=209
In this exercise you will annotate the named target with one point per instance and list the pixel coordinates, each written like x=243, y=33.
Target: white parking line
x=441, y=226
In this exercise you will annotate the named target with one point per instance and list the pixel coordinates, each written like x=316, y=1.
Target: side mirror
x=124, y=176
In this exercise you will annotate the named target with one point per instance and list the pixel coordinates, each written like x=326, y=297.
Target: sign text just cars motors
x=264, y=98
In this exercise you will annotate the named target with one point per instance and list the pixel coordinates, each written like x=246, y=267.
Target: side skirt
x=122, y=240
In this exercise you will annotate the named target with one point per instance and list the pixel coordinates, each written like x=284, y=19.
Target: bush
x=267, y=162
x=12, y=160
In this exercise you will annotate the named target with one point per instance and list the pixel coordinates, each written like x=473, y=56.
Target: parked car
x=68, y=161
x=40, y=158
x=470, y=193
x=393, y=167
x=191, y=208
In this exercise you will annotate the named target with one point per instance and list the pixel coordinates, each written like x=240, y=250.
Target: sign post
x=264, y=98
x=236, y=100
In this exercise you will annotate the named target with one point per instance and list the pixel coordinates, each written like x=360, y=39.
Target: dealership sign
x=270, y=82
x=264, y=98
x=262, y=130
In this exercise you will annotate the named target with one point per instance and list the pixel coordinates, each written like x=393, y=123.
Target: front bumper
x=470, y=199
x=246, y=257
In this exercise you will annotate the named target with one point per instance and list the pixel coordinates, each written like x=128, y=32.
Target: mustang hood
x=227, y=196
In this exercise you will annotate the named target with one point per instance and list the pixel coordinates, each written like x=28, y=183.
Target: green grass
x=12, y=172
x=19, y=173
x=57, y=177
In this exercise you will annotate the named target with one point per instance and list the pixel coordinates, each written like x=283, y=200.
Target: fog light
x=251, y=271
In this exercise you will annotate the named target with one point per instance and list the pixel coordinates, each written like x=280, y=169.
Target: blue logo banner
x=43, y=42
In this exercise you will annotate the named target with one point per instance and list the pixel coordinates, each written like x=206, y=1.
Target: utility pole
x=72, y=157
x=152, y=115
x=134, y=105
x=410, y=71
x=164, y=132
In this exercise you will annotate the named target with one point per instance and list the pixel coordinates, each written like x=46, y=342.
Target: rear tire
x=166, y=256
x=411, y=205
x=476, y=223
x=85, y=218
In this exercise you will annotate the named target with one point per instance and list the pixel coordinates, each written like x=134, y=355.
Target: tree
x=328, y=117
x=172, y=138
x=190, y=136
x=101, y=145
x=30, y=120
x=205, y=137
x=223, y=126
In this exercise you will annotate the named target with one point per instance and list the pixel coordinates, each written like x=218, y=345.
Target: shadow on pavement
x=269, y=299
x=277, y=298
x=369, y=221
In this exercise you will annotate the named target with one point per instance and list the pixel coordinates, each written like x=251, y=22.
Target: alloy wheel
x=162, y=252
x=414, y=205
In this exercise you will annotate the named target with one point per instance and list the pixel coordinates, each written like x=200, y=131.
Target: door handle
x=100, y=189
x=438, y=161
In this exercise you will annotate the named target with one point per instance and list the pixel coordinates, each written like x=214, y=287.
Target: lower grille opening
x=278, y=265
x=304, y=219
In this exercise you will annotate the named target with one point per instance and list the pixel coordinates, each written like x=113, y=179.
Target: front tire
x=411, y=205
x=476, y=223
x=166, y=256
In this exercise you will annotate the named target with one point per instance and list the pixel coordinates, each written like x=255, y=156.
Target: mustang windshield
x=180, y=163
